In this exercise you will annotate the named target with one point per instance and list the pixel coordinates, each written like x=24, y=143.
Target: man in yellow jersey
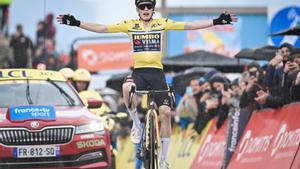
x=146, y=34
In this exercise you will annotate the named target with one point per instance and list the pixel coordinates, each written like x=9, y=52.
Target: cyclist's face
x=145, y=11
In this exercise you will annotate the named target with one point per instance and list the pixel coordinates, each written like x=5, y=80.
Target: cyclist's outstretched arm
x=224, y=18
x=72, y=21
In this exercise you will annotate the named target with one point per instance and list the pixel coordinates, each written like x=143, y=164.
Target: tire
x=152, y=142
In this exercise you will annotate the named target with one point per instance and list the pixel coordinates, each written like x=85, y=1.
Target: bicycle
x=150, y=133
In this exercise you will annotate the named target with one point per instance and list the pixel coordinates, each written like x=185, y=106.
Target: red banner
x=105, y=56
x=270, y=140
x=210, y=154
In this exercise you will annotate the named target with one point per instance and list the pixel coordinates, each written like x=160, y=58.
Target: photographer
x=288, y=90
x=254, y=84
x=187, y=107
x=274, y=73
x=220, y=92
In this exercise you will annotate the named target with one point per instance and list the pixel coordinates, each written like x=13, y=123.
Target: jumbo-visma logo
x=285, y=18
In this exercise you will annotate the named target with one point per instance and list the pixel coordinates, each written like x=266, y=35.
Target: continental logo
x=90, y=143
x=146, y=36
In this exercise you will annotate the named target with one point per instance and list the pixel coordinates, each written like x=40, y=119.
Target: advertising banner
x=211, y=152
x=237, y=122
x=105, y=56
x=271, y=139
x=186, y=148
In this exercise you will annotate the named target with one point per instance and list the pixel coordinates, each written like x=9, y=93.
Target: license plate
x=36, y=151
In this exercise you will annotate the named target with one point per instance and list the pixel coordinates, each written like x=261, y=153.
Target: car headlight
x=93, y=127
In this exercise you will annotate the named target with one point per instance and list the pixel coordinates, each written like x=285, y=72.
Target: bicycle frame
x=150, y=136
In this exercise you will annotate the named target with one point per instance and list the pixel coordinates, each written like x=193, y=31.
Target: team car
x=44, y=124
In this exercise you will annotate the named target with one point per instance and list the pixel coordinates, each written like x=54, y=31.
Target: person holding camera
x=288, y=88
x=254, y=84
x=275, y=70
x=187, y=107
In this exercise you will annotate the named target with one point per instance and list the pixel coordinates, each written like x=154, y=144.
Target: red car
x=44, y=124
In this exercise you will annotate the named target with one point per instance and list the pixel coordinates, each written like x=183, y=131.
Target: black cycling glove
x=223, y=19
x=70, y=20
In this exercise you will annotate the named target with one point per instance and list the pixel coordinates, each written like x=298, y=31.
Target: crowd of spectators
x=22, y=52
x=214, y=95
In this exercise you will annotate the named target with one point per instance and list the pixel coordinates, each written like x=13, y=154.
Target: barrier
x=125, y=154
x=187, y=145
x=296, y=163
x=271, y=140
x=211, y=152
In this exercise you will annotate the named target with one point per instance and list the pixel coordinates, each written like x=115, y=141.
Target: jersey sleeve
x=119, y=27
x=173, y=25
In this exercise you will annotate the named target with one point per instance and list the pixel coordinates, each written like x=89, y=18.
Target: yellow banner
x=31, y=74
x=125, y=158
x=182, y=153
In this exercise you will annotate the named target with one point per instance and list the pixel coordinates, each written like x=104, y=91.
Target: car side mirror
x=94, y=103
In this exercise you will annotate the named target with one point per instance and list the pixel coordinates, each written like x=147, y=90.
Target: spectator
x=287, y=91
x=254, y=84
x=40, y=33
x=22, y=48
x=187, y=107
x=220, y=90
x=273, y=79
x=50, y=29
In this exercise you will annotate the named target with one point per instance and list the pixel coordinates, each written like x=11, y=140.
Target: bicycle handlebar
x=133, y=90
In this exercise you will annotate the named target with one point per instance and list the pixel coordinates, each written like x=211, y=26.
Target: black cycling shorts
x=151, y=79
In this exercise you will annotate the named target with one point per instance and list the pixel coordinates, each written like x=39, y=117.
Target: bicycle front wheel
x=152, y=143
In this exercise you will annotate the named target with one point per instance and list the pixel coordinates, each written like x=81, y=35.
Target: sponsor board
x=271, y=139
x=184, y=151
x=105, y=56
x=237, y=122
x=211, y=152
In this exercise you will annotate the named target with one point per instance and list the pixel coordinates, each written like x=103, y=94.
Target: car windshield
x=24, y=92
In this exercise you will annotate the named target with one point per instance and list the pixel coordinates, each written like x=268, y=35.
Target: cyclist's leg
x=132, y=112
x=165, y=129
x=163, y=102
x=136, y=80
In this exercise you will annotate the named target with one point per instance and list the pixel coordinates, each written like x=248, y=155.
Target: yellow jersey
x=147, y=43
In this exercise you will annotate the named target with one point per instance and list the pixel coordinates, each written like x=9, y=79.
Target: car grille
x=48, y=135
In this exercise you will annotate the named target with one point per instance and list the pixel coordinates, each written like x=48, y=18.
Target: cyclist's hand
x=68, y=20
x=225, y=18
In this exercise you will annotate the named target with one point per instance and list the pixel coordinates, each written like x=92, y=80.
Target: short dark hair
x=19, y=27
x=287, y=45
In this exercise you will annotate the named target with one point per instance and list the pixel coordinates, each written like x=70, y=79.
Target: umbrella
x=182, y=79
x=294, y=31
x=263, y=53
x=203, y=58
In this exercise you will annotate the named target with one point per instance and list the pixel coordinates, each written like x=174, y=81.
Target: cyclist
x=146, y=34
